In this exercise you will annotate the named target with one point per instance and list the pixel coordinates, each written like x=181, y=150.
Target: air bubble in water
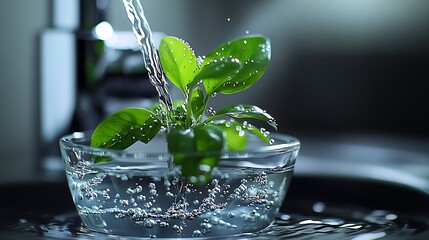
x=123, y=202
x=150, y=223
x=206, y=226
x=169, y=194
x=141, y=198
x=197, y=233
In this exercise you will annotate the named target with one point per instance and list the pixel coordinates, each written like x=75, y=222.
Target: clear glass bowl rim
x=288, y=144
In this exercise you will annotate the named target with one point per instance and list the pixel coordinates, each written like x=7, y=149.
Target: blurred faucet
x=111, y=73
x=88, y=71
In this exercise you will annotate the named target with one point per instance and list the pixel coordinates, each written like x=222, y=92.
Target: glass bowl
x=140, y=193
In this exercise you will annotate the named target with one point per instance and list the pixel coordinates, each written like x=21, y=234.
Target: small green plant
x=195, y=140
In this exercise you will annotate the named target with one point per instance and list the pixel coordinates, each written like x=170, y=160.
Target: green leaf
x=197, y=102
x=196, y=150
x=236, y=128
x=215, y=73
x=235, y=137
x=254, y=52
x=123, y=128
x=178, y=61
x=245, y=111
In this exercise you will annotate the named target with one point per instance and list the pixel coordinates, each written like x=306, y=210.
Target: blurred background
x=348, y=78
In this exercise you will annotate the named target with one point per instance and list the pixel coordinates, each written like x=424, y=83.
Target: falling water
x=143, y=34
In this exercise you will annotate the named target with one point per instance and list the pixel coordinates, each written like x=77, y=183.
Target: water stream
x=143, y=34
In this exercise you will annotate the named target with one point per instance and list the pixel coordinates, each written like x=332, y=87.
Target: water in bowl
x=152, y=201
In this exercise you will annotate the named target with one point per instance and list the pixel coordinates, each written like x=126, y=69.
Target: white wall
x=20, y=24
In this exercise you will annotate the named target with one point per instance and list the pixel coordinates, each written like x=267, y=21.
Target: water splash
x=143, y=34
x=67, y=225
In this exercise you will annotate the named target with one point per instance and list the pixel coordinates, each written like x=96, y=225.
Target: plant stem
x=188, y=121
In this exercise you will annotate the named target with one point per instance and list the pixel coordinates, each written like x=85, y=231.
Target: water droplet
x=247, y=32
x=319, y=207
x=391, y=217
x=211, y=111
x=228, y=19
